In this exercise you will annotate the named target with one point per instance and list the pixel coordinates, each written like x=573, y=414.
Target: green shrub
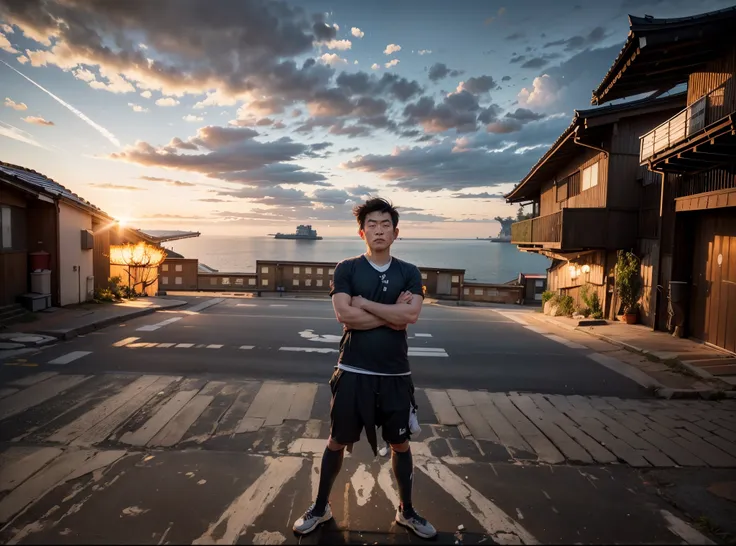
x=590, y=297
x=628, y=281
x=566, y=306
x=547, y=295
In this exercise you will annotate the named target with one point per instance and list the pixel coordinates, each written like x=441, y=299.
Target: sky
x=250, y=117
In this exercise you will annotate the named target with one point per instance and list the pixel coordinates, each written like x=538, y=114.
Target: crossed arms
x=358, y=313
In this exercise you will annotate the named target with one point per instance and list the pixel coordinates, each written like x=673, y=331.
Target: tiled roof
x=40, y=182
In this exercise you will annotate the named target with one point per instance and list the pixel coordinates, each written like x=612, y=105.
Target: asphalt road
x=297, y=340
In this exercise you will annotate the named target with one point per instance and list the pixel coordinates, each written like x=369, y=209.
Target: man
x=375, y=296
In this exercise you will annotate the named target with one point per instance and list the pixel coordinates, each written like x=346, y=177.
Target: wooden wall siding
x=718, y=81
x=713, y=294
x=42, y=236
x=559, y=278
x=649, y=209
x=648, y=253
x=101, y=256
x=14, y=272
x=593, y=197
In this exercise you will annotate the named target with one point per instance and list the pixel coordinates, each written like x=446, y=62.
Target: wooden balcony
x=674, y=130
x=577, y=229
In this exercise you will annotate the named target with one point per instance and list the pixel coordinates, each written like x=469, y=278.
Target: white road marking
x=324, y=350
x=423, y=352
x=246, y=347
x=386, y=483
x=427, y=349
x=422, y=335
x=70, y=357
x=250, y=505
x=564, y=341
x=278, y=305
x=205, y=304
x=126, y=341
x=516, y=317
x=245, y=305
x=363, y=483
x=324, y=338
x=152, y=327
x=537, y=329
x=165, y=345
x=145, y=345
x=215, y=346
x=683, y=530
x=501, y=527
x=184, y=345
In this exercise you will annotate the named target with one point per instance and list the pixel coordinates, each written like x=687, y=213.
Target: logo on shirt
x=384, y=280
x=402, y=431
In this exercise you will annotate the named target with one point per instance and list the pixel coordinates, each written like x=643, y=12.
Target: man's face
x=379, y=232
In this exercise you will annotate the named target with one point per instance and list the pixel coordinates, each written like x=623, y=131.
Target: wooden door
x=444, y=284
x=713, y=307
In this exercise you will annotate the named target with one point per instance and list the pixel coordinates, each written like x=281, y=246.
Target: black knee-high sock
x=403, y=466
x=331, y=465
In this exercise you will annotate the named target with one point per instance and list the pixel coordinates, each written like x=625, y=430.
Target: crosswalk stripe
x=324, y=350
x=70, y=357
x=440, y=353
x=247, y=347
x=205, y=305
x=184, y=345
x=33, y=379
x=501, y=527
x=152, y=327
x=38, y=394
x=125, y=342
x=215, y=346
x=244, y=510
x=422, y=335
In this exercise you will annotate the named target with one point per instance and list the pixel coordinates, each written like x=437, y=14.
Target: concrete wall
x=492, y=293
x=178, y=274
x=73, y=283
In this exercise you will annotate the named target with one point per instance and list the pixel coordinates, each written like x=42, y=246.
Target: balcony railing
x=674, y=130
x=577, y=228
x=540, y=230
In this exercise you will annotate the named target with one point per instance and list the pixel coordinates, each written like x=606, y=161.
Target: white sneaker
x=309, y=521
x=414, y=427
x=416, y=523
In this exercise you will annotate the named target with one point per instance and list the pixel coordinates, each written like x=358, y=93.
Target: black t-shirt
x=382, y=350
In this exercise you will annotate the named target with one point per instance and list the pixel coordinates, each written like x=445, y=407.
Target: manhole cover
x=4, y=346
x=27, y=339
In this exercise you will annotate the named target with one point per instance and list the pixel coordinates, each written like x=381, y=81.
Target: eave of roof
x=563, y=144
x=646, y=34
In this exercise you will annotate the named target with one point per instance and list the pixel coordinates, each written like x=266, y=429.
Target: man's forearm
x=398, y=313
x=365, y=322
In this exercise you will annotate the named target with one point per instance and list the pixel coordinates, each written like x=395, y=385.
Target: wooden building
x=693, y=154
x=587, y=192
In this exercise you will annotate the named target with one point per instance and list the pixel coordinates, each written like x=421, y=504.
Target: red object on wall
x=40, y=260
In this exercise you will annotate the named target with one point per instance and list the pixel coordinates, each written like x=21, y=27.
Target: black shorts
x=367, y=401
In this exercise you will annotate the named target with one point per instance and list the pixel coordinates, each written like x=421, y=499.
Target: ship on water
x=303, y=232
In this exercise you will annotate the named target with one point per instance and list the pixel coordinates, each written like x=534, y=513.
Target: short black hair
x=375, y=204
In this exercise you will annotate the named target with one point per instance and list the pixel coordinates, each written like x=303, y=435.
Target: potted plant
x=628, y=284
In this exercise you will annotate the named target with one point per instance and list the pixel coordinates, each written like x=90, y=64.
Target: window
x=562, y=190
x=12, y=228
x=296, y=270
x=178, y=268
x=308, y=270
x=296, y=282
x=165, y=267
x=308, y=282
x=264, y=270
x=331, y=271
x=239, y=282
x=226, y=281
x=177, y=280
x=590, y=177
x=164, y=280
x=424, y=276
x=264, y=282
x=478, y=291
x=319, y=282
x=320, y=271
x=456, y=279
x=6, y=235
x=213, y=281
x=466, y=291
x=252, y=281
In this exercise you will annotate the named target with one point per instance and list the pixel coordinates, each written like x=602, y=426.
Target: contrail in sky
x=104, y=132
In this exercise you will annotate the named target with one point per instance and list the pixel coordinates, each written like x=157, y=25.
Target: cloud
x=10, y=103
x=341, y=45
x=216, y=98
x=457, y=111
x=277, y=173
x=146, y=94
x=389, y=85
x=483, y=195
x=576, y=43
x=104, y=132
x=513, y=121
x=517, y=59
x=392, y=63
x=506, y=78
x=355, y=31
x=439, y=71
x=215, y=200
x=117, y=187
x=137, y=108
x=5, y=44
x=375, y=66
x=167, y=101
x=425, y=52
x=37, y=120
x=543, y=92
x=478, y=85
x=514, y=36
x=190, y=117
x=169, y=181
x=392, y=48
x=10, y=131
x=332, y=59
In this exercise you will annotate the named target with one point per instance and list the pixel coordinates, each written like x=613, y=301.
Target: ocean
x=483, y=261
